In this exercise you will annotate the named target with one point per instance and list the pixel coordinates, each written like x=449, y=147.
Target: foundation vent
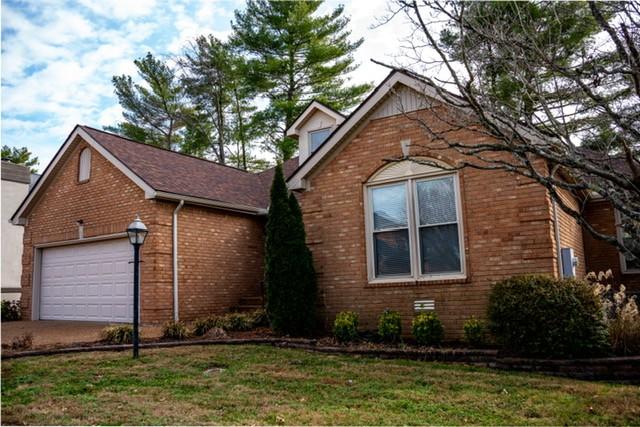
x=424, y=305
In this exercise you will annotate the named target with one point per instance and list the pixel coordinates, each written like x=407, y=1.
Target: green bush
x=201, y=326
x=118, y=334
x=427, y=329
x=345, y=327
x=10, y=310
x=390, y=326
x=175, y=330
x=475, y=332
x=230, y=322
x=545, y=317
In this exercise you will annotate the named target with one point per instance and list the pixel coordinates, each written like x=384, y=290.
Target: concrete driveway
x=62, y=333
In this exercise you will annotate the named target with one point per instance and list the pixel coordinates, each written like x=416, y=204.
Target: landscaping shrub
x=10, y=310
x=427, y=329
x=345, y=327
x=174, y=330
x=545, y=317
x=118, y=334
x=201, y=326
x=620, y=314
x=390, y=326
x=230, y=322
x=237, y=322
x=475, y=332
x=22, y=342
x=289, y=274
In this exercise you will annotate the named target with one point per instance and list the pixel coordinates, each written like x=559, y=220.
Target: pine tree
x=296, y=55
x=289, y=275
x=20, y=156
x=153, y=111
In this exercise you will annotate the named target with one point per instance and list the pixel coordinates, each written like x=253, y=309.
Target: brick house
x=384, y=234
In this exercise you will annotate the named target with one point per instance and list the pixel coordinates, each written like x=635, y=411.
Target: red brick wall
x=506, y=218
x=107, y=203
x=571, y=232
x=220, y=258
x=600, y=255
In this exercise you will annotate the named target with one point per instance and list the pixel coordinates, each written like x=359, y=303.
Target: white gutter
x=557, y=233
x=175, y=260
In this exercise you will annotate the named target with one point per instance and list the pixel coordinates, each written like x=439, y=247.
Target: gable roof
x=380, y=93
x=308, y=112
x=169, y=175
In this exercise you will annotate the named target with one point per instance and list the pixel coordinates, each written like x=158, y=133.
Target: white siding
x=401, y=100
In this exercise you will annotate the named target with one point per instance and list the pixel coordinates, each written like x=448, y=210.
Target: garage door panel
x=91, y=281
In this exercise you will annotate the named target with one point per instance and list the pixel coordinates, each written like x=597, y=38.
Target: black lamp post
x=137, y=232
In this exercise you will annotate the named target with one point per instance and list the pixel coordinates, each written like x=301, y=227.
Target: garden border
x=625, y=369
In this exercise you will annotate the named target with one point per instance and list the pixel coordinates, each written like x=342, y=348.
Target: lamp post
x=137, y=232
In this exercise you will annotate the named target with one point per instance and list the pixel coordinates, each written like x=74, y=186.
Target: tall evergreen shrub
x=289, y=274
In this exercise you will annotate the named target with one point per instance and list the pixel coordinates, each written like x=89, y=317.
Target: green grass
x=266, y=385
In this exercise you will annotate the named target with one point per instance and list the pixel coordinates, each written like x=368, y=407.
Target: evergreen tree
x=289, y=275
x=294, y=56
x=20, y=156
x=154, y=110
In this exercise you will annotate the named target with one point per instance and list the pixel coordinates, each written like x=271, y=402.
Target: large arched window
x=414, y=226
x=84, y=167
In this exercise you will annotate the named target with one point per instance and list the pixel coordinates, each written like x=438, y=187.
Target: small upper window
x=84, y=170
x=317, y=137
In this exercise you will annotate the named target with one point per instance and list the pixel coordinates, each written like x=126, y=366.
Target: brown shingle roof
x=178, y=173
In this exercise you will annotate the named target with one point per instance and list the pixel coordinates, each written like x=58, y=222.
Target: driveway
x=62, y=333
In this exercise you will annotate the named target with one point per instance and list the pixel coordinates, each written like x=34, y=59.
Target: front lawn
x=267, y=385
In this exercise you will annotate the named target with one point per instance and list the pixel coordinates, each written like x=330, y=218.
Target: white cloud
x=58, y=56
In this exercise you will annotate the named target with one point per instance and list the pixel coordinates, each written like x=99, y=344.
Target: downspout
x=175, y=260
x=557, y=232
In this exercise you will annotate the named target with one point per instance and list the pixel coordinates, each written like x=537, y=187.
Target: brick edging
x=606, y=368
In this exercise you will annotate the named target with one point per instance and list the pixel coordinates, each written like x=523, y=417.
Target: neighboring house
x=396, y=235
x=16, y=180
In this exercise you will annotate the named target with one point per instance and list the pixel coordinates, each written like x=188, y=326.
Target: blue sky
x=58, y=56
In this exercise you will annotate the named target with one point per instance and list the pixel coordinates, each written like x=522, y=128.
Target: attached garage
x=89, y=281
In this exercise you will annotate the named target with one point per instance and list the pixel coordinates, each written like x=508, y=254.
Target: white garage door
x=90, y=281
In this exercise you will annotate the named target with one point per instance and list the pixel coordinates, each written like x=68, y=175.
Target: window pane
x=440, y=249
x=317, y=137
x=436, y=201
x=632, y=264
x=392, y=253
x=389, y=207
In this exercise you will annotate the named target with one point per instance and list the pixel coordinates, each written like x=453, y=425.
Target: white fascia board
x=308, y=112
x=149, y=192
x=297, y=180
x=164, y=195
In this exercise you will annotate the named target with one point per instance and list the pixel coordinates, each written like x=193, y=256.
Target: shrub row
x=427, y=328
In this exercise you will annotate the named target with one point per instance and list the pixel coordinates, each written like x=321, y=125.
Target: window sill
x=630, y=272
x=424, y=281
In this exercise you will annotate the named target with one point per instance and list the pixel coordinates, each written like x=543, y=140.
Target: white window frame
x=84, y=174
x=620, y=236
x=311, y=150
x=412, y=219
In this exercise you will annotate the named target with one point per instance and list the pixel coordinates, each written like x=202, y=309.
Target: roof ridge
x=166, y=149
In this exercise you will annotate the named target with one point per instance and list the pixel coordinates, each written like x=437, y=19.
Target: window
x=317, y=137
x=84, y=168
x=628, y=264
x=414, y=228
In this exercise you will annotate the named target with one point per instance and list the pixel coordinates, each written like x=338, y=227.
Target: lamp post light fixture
x=137, y=232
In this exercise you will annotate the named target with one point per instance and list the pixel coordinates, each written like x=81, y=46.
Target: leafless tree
x=579, y=97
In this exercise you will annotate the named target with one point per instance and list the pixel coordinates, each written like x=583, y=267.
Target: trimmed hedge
x=541, y=316
x=474, y=332
x=390, y=326
x=427, y=329
x=345, y=327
